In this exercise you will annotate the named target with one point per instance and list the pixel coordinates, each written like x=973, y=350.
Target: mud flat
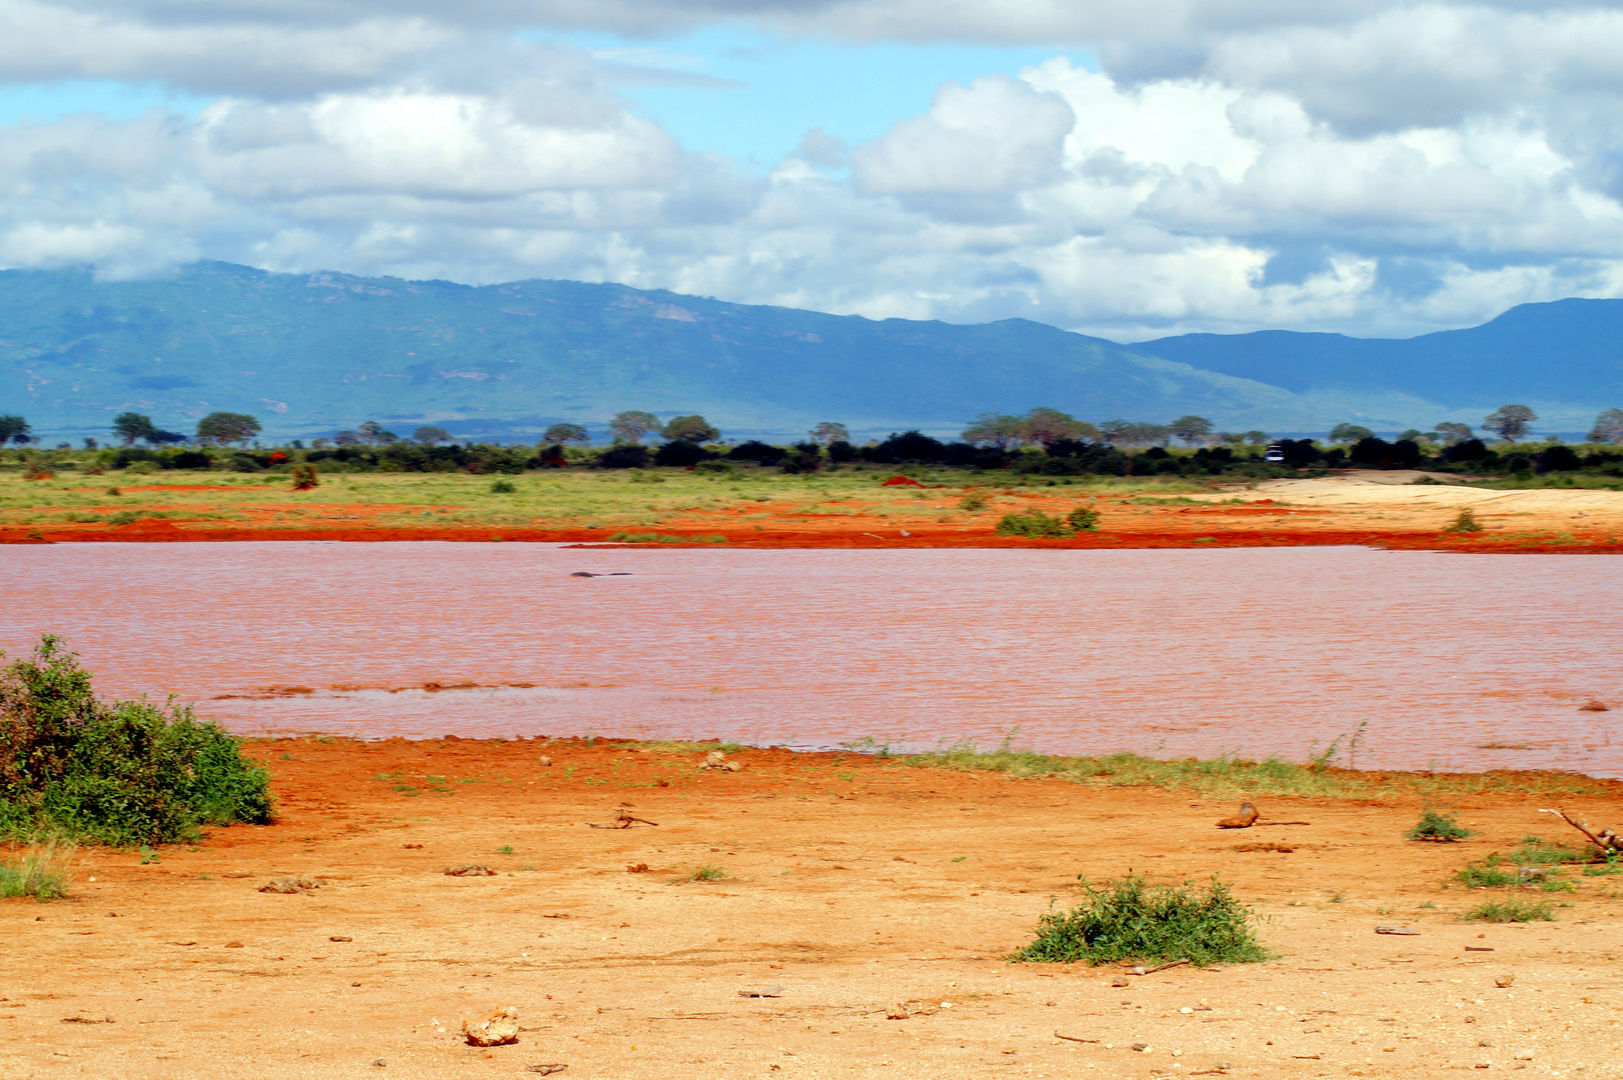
x=847, y=886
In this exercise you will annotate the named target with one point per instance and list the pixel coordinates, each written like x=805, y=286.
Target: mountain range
x=311, y=353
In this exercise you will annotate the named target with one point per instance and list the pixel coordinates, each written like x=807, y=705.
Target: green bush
x=1466, y=522
x=973, y=501
x=1031, y=523
x=503, y=487
x=1129, y=920
x=1509, y=911
x=1083, y=519
x=1438, y=828
x=120, y=772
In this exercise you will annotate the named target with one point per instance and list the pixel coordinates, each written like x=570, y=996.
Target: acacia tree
x=221, y=428
x=130, y=427
x=1256, y=438
x=1350, y=433
x=992, y=429
x=1191, y=429
x=430, y=436
x=1608, y=427
x=631, y=425
x=375, y=434
x=1509, y=422
x=14, y=429
x=1452, y=434
x=828, y=433
x=566, y=433
x=1046, y=426
x=693, y=429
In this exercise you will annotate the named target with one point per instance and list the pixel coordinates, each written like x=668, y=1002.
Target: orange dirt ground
x=1383, y=514
x=851, y=886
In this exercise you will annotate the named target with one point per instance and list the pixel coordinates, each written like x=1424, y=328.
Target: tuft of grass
x=1466, y=522
x=503, y=487
x=1485, y=875
x=506, y=849
x=1510, y=910
x=1535, y=852
x=705, y=873
x=1438, y=828
x=45, y=873
x=1128, y=920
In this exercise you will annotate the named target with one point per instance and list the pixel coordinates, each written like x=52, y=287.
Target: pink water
x=1171, y=652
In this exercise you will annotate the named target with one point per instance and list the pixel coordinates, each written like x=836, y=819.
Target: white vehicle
x=1274, y=453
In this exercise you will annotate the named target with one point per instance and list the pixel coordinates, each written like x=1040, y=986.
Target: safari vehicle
x=1274, y=453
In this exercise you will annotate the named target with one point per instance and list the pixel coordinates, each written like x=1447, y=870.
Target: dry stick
x=1073, y=1038
x=1158, y=967
x=1262, y=824
x=1600, y=844
x=622, y=820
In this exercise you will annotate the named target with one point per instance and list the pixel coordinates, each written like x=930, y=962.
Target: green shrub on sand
x=119, y=772
x=1129, y=920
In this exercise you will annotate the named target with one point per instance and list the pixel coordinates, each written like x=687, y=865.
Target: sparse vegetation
x=1226, y=775
x=1132, y=921
x=119, y=772
x=1509, y=910
x=1437, y=827
x=44, y=872
x=1031, y=523
x=1488, y=874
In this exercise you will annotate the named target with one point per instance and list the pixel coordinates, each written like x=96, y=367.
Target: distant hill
x=1564, y=358
x=311, y=353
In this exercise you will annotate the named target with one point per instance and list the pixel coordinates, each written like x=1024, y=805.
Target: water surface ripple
x=1455, y=661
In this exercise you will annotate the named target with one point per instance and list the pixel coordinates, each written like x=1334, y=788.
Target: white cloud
x=1351, y=164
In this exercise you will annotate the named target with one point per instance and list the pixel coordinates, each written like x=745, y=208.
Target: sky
x=1126, y=170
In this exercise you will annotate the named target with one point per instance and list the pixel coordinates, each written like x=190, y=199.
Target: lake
x=1449, y=661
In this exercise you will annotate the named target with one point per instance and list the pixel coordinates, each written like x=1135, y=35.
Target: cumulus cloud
x=1352, y=164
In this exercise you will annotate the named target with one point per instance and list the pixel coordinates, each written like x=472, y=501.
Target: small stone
x=546, y=762
x=637, y=868
x=338, y=938
x=234, y=945
x=714, y=760
x=471, y=870
x=896, y=1011
x=290, y=885
x=1140, y=1047
x=733, y=766
x=1505, y=982
x=498, y=1029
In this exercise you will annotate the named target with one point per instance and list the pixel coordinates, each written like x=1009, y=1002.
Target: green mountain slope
x=309, y=354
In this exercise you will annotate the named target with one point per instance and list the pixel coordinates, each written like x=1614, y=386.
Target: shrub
x=624, y=456
x=45, y=873
x=1485, y=875
x=141, y=467
x=1436, y=827
x=1465, y=523
x=1031, y=523
x=973, y=501
x=1129, y=920
x=502, y=487
x=680, y=453
x=1509, y=911
x=304, y=477
x=1083, y=519
x=119, y=772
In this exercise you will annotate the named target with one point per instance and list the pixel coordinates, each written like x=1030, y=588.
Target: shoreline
x=848, y=890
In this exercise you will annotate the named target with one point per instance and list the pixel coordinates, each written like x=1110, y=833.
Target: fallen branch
x=1073, y=1038
x=623, y=819
x=1157, y=967
x=1607, y=843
